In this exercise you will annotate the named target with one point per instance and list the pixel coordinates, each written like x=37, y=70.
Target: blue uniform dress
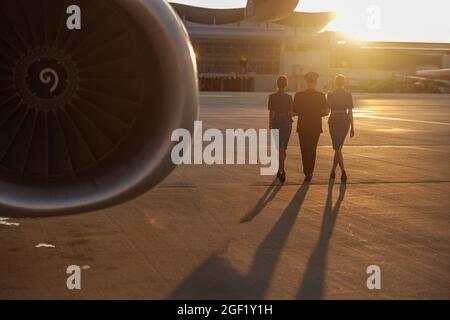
x=339, y=102
x=281, y=104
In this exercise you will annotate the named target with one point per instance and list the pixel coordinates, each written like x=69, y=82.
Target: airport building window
x=238, y=56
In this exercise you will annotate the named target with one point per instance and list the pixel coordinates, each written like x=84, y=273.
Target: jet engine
x=87, y=113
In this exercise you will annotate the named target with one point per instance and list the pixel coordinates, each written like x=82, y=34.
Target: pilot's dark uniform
x=311, y=106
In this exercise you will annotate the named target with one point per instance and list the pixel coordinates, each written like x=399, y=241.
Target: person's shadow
x=312, y=286
x=269, y=251
x=216, y=278
x=268, y=196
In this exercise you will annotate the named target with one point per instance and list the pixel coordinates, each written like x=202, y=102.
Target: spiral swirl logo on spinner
x=46, y=79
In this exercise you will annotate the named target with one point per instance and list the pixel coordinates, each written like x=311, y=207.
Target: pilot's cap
x=311, y=76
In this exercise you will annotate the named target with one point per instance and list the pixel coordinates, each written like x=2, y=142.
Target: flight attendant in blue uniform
x=340, y=122
x=280, y=117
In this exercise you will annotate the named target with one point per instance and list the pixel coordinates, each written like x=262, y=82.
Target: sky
x=373, y=20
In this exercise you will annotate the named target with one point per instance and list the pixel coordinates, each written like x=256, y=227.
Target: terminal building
x=249, y=56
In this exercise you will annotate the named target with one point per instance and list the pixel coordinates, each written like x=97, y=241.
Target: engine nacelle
x=86, y=115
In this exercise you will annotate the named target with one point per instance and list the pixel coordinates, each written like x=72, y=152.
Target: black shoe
x=283, y=177
x=333, y=175
x=344, y=176
x=308, y=178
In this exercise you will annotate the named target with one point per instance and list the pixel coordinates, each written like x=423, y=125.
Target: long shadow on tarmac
x=268, y=196
x=216, y=278
x=312, y=286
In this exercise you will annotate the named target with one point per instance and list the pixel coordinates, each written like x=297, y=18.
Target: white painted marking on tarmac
x=367, y=116
x=397, y=130
x=390, y=146
x=5, y=222
x=214, y=96
x=45, y=245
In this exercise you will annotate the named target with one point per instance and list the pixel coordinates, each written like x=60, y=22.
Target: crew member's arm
x=350, y=115
x=324, y=110
x=291, y=109
x=296, y=106
x=271, y=117
x=271, y=112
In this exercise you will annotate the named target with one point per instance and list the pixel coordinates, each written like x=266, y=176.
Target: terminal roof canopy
x=209, y=16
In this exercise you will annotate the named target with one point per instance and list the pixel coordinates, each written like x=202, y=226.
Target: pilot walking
x=310, y=106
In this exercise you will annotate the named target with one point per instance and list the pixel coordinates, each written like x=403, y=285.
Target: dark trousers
x=308, y=146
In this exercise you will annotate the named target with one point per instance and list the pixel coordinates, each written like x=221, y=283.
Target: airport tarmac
x=226, y=232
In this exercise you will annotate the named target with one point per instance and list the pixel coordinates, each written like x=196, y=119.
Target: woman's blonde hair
x=340, y=80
